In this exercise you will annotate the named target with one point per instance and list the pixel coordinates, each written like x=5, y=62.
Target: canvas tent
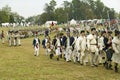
x=73, y=22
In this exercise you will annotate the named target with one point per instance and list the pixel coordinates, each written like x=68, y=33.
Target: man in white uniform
x=92, y=47
x=70, y=47
x=10, y=38
x=58, y=47
x=116, y=48
x=77, y=49
x=101, y=45
x=18, y=39
x=83, y=43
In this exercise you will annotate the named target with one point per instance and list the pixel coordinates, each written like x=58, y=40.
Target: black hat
x=82, y=31
x=102, y=32
x=93, y=29
x=117, y=32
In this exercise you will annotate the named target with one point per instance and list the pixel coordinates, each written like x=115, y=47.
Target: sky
x=28, y=8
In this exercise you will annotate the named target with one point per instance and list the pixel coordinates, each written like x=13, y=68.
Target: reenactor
x=64, y=45
x=2, y=37
x=69, y=47
x=18, y=38
x=10, y=38
x=36, y=45
x=102, y=54
x=83, y=48
x=116, y=48
x=58, y=47
x=76, y=55
x=93, y=47
x=108, y=49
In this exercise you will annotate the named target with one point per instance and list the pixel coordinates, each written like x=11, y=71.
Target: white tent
x=73, y=22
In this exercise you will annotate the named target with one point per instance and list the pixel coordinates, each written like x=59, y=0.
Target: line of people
x=13, y=38
x=97, y=47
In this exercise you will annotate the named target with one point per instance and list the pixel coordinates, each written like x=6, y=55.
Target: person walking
x=36, y=45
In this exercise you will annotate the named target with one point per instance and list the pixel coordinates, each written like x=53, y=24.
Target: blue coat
x=34, y=42
x=71, y=40
x=64, y=40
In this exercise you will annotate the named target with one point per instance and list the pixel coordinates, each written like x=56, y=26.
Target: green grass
x=18, y=63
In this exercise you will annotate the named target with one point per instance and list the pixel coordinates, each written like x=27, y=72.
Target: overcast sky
x=33, y=7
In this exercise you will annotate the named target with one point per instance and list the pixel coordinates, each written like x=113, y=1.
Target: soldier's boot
x=51, y=56
x=76, y=58
x=110, y=67
x=60, y=55
x=116, y=68
x=57, y=59
x=64, y=57
x=106, y=65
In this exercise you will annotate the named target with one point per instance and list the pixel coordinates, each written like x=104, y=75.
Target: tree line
x=76, y=9
x=6, y=15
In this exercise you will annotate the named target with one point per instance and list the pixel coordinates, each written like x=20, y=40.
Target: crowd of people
x=91, y=47
x=13, y=38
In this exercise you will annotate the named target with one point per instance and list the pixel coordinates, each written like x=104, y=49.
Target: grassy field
x=19, y=63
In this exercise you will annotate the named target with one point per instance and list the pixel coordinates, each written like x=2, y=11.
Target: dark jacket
x=71, y=40
x=64, y=40
x=34, y=42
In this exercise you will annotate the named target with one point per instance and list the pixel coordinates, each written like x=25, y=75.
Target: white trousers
x=15, y=42
x=48, y=50
x=18, y=41
x=3, y=41
x=68, y=53
x=58, y=52
x=10, y=42
x=94, y=55
x=102, y=56
x=36, y=51
x=76, y=54
x=83, y=57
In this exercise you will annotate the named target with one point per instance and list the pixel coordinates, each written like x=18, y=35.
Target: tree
x=11, y=20
x=43, y=18
x=61, y=15
x=119, y=15
x=49, y=9
x=66, y=4
x=77, y=9
x=112, y=13
x=52, y=4
x=7, y=9
x=4, y=17
x=7, y=16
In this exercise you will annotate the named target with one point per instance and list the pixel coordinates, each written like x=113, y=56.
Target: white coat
x=83, y=43
x=91, y=43
x=116, y=48
x=101, y=43
x=77, y=43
